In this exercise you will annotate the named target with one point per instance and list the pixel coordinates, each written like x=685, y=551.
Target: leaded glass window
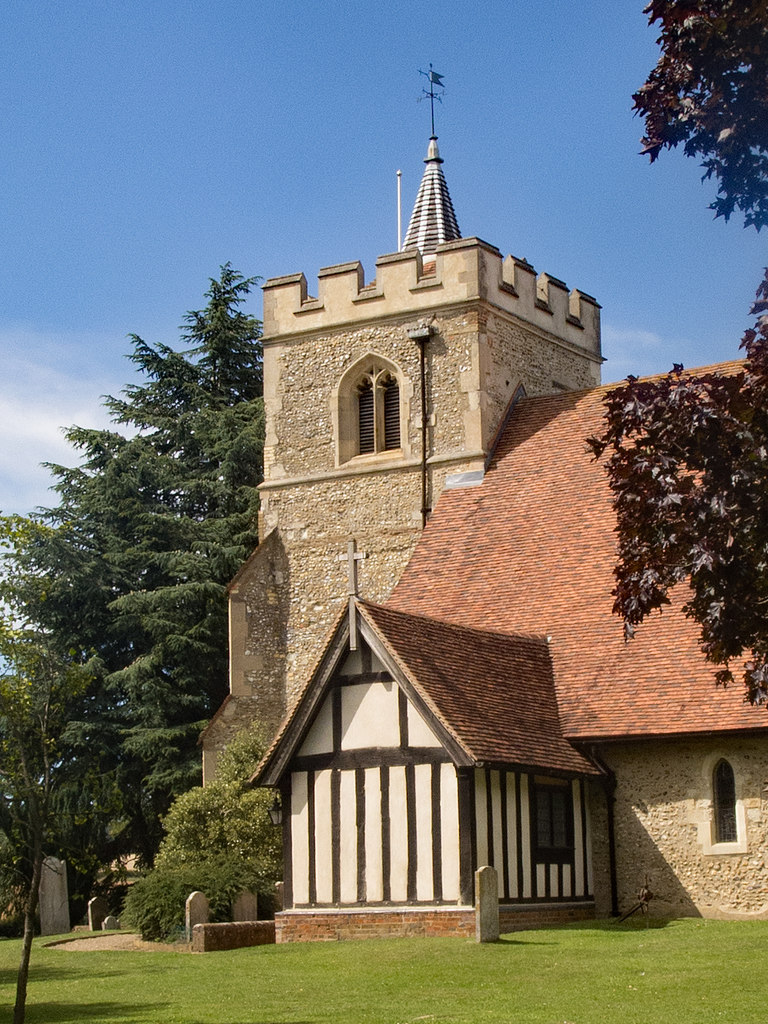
x=553, y=820
x=724, y=788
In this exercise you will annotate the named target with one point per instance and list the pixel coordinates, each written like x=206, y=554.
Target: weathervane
x=434, y=79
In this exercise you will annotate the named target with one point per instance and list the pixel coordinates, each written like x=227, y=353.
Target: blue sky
x=147, y=143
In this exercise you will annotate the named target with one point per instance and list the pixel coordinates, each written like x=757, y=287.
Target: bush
x=219, y=839
x=155, y=904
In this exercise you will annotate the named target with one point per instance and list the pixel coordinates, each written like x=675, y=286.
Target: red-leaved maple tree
x=687, y=455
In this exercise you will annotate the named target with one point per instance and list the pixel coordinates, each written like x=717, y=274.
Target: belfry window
x=378, y=412
x=372, y=406
x=724, y=791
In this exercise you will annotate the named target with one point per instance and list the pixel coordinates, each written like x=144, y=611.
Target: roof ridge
x=389, y=609
x=727, y=366
x=409, y=673
x=732, y=366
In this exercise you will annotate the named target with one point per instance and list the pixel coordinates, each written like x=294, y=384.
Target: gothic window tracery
x=372, y=406
x=378, y=412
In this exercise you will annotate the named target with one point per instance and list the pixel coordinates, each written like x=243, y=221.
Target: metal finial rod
x=434, y=79
x=399, y=211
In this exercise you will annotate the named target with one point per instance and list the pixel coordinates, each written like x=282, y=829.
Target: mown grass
x=685, y=972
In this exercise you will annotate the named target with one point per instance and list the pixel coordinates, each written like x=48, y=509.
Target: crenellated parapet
x=465, y=270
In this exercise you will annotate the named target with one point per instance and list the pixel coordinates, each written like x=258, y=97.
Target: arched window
x=724, y=790
x=378, y=412
x=371, y=410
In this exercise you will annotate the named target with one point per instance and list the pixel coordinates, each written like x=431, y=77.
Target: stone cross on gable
x=352, y=557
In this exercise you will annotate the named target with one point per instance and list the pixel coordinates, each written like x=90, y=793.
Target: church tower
x=378, y=395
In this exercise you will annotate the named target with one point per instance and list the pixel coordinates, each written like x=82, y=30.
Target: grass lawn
x=685, y=972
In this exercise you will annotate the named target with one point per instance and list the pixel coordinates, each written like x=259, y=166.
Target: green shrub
x=155, y=904
x=11, y=925
x=219, y=839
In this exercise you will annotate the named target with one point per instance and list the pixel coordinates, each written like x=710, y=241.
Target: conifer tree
x=148, y=530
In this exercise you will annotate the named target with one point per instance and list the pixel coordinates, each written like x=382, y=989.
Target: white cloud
x=49, y=381
x=632, y=350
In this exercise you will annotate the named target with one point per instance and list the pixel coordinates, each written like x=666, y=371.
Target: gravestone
x=197, y=912
x=54, y=897
x=110, y=923
x=245, y=907
x=97, y=911
x=279, y=895
x=486, y=905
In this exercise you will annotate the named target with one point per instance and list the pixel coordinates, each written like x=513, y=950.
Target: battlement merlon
x=465, y=270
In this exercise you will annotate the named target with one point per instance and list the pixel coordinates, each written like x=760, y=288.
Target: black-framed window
x=724, y=792
x=552, y=820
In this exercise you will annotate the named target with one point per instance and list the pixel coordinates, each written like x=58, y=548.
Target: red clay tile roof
x=531, y=550
x=493, y=692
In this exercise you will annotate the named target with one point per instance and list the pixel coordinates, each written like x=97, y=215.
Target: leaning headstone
x=245, y=907
x=97, y=911
x=197, y=911
x=54, y=897
x=486, y=905
x=110, y=923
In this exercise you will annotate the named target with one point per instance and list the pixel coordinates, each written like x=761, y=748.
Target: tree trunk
x=30, y=909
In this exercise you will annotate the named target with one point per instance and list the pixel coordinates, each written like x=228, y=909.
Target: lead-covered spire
x=433, y=220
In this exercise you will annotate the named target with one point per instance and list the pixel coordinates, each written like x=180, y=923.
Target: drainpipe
x=609, y=786
x=421, y=334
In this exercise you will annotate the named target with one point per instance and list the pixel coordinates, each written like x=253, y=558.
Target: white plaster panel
x=376, y=664
x=323, y=833
x=578, y=852
x=369, y=716
x=352, y=665
x=419, y=733
x=554, y=888
x=347, y=838
x=567, y=881
x=512, y=835
x=541, y=878
x=319, y=739
x=498, y=849
x=481, y=818
x=424, y=877
x=374, y=885
x=300, y=837
x=398, y=836
x=525, y=832
x=590, y=876
x=449, y=831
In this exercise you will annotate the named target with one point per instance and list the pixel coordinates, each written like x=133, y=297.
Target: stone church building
x=426, y=624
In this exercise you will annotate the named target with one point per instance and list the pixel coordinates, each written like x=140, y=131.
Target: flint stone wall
x=475, y=360
x=493, y=329
x=663, y=815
